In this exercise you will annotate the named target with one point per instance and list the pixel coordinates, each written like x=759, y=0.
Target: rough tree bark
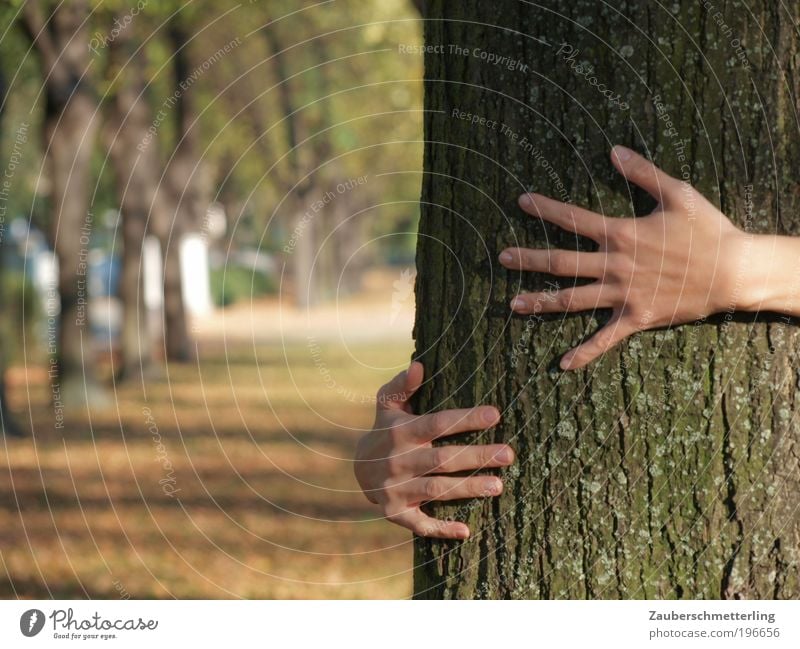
x=670, y=467
x=70, y=127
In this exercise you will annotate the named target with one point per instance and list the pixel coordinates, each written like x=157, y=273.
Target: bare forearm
x=769, y=274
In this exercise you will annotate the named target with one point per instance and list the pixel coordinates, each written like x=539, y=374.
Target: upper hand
x=676, y=265
x=398, y=468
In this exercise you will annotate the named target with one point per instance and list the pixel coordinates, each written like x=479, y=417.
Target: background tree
x=8, y=424
x=302, y=173
x=215, y=137
x=182, y=180
x=136, y=174
x=70, y=125
x=669, y=467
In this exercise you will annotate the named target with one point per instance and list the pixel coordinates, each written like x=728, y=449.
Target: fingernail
x=506, y=257
x=492, y=487
x=504, y=455
x=525, y=200
x=622, y=153
x=565, y=362
x=462, y=533
x=490, y=415
x=517, y=303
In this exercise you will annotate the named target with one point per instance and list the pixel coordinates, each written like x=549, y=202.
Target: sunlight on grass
x=251, y=495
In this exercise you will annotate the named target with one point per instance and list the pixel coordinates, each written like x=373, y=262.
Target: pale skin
x=681, y=263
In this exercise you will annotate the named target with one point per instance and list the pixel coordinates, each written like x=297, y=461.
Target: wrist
x=767, y=267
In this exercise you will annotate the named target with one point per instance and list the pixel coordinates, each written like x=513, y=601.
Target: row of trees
x=75, y=119
x=158, y=109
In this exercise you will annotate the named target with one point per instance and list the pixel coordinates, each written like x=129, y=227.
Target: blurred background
x=207, y=230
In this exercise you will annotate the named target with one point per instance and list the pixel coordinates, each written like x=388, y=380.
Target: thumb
x=614, y=331
x=643, y=173
x=414, y=375
x=397, y=392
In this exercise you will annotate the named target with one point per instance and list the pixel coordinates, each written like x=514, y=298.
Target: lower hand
x=399, y=469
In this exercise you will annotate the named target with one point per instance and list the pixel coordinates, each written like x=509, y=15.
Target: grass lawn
x=226, y=478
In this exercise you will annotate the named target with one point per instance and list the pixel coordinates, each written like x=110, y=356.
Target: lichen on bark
x=670, y=467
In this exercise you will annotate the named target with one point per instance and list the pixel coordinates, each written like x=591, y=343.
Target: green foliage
x=356, y=100
x=235, y=284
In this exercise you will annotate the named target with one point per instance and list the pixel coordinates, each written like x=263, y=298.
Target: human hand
x=676, y=265
x=398, y=468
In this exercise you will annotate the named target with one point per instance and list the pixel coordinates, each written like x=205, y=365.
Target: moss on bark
x=670, y=467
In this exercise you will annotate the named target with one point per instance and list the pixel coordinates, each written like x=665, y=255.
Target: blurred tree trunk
x=8, y=424
x=306, y=291
x=299, y=183
x=136, y=174
x=183, y=189
x=347, y=248
x=669, y=467
x=70, y=126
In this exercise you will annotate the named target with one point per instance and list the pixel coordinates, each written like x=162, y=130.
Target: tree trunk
x=183, y=188
x=8, y=424
x=307, y=150
x=137, y=185
x=306, y=289
x=70, y=126
x=668, y=468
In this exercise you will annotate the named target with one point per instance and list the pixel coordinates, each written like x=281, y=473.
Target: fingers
x=449, y=459
x=564, y=263
x=397, y=392
x=427, y=428
x=446, y=488
x=643, y=173
x=421, y=524
x=616, y=330
x=566, y=216
x=568, y=300
x=425, y=489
